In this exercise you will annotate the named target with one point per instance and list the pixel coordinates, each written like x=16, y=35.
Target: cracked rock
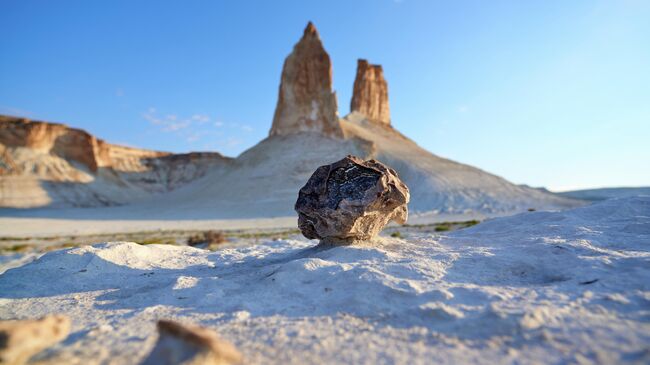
x=351, y=200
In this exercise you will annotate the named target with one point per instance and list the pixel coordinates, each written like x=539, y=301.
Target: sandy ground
x=29, y=226
x=42, y=227
x=536, y=288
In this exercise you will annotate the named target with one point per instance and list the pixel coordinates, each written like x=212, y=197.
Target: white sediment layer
x=539, y=287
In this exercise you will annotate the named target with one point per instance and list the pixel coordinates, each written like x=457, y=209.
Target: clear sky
x=548, y=93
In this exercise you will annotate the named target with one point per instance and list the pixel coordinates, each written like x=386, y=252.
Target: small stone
x=351, y=200
x=22, y=339
x=184, y=344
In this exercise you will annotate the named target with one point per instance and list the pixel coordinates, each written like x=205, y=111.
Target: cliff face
x=306, y=102
x=370, y=93
x=67, y=143
x=48, y=163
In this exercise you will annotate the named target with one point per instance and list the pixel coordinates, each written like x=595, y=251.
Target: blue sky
x=548, y=93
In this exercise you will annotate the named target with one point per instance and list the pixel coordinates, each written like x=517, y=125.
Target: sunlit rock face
x=370, y=93
x=350, y=201
x=60, y=140
x=51, y=164
x=306, y=102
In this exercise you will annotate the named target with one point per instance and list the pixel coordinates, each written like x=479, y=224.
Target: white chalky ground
x=539, y=287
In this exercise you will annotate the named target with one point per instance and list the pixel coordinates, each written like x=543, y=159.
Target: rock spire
x=306, y=102
x=370, y=93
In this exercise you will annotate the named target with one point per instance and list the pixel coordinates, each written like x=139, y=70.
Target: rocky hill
x=53, y=164
x=307, y=133
x=50, y=164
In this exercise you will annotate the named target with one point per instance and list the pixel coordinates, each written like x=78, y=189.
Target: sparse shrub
x=208, y=238
x=61, y=246
x=215, y=237
x=442, y=227
x=396, y=234
x=14, y=238
x=473, y=222
x=195, y=240
x=18, y=248
x=151, y=241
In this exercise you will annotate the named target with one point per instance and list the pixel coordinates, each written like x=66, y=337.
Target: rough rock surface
x=180, y=344
x=370, y=93
x=68, y=143
x=306, y=102
x=44, y=163
x=22, y=339
x=351, y=200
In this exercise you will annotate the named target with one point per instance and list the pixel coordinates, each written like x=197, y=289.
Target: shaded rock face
x=351, y=200
x=370, y=93
x=306, y=102
x=22, y=339
x=180, y=344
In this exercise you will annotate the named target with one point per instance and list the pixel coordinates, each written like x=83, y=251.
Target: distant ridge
x=51, y=164
x=605, y=193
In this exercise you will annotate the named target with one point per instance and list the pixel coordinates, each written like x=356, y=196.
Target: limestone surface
x=351, y=200
x=22, y=339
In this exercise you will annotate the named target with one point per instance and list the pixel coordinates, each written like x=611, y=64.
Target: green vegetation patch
x=442, y=228
x=17, y=248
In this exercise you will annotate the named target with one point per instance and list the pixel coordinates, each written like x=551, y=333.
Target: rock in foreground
x=22, y=339
x=351, y=200
x=180, y=344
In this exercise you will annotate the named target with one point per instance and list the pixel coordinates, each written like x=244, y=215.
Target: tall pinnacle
x=306, y=102
x=310, y=29
x=370, y=94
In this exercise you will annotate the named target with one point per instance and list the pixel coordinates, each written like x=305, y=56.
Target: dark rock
x=351, y=200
